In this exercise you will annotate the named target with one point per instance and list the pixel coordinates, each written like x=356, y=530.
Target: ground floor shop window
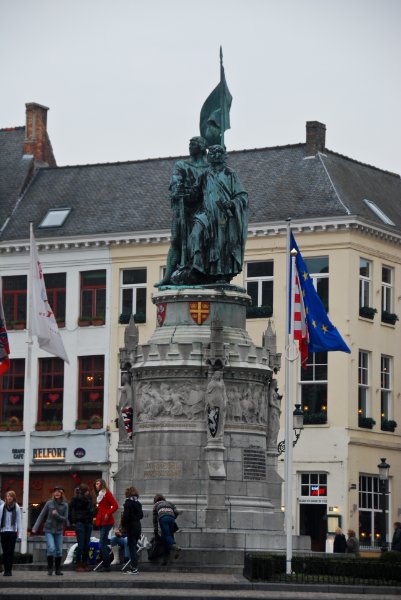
x=41, y=487
x=313, y=509
x=370, y=511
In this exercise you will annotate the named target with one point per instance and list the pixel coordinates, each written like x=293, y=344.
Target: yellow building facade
x=335, y=469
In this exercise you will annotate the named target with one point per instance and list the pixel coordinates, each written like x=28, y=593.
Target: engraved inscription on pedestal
x=159, y=469
x=254, y=464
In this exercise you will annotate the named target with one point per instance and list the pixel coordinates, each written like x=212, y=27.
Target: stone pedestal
x=125, y=474
x=222, y=486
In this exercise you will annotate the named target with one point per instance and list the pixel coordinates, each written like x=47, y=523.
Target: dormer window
x=378, y=212
x=55, y=217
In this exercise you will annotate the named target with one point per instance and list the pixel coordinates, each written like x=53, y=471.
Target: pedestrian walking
x=164, y=515
x=352, y=543
x=54, y=514
x=131, y=523
x=340, y=542
x=10, y=529
x=396, y=541
x=80, y=516
x=106, y=506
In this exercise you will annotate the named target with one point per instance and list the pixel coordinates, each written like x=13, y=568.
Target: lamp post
x=298, y=420
x=297, y=425
x=384, y=469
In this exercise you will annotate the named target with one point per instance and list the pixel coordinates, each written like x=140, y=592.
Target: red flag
x=300, y=326
x=4, y=346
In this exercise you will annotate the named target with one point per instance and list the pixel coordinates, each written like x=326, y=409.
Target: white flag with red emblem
x=43, y=323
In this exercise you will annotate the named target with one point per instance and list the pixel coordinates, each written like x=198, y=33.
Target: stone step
x=163, y=585
x=190, y=560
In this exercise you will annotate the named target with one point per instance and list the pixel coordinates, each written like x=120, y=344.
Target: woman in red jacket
x=106, y=506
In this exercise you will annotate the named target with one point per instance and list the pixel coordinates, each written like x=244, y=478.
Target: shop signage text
x=56, y=454
x=18, y=452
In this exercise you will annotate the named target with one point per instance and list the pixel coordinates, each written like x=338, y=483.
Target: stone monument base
x=221, y=471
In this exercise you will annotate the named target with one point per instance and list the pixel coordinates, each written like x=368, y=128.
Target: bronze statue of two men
x=209, y=221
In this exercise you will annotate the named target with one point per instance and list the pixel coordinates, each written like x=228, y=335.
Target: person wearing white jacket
x=10, y=529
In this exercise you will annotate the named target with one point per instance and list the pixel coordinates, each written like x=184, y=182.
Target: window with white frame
x=363, y=385
x=387, y=289
x=133, y=295
x=313, y=485
x=386, y=387
x=259, y=285
x=370, y=511
x=314, y=389
x=318, y=269
x=365, y=284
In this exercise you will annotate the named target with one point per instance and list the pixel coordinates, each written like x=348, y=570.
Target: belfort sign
x=49, y=454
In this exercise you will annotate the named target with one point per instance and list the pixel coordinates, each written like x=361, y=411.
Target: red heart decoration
x=54, y=397
x=14, y=399
x=94, y=395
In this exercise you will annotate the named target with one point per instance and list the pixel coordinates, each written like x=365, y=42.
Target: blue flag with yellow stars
x=322, y=335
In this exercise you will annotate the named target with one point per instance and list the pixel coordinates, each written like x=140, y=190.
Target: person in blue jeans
x=55, y=515
x=119, y=540
x=164, y=515
x=131, y=523
x=80, y=516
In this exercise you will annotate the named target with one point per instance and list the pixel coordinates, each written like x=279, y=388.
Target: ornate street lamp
x=384, y=469
x=297, y=425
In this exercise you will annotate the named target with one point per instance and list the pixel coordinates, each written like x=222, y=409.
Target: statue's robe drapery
x=217, y=240
x=184, y=203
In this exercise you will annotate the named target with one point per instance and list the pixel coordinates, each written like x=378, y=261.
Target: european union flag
x=322, y=335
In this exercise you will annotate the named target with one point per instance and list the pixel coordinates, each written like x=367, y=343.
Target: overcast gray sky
x=125, y=79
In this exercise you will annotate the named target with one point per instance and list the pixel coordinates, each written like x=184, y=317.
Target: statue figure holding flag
x=209, y=203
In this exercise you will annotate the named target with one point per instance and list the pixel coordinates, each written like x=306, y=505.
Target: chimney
x=37, y=141
x=315, y=138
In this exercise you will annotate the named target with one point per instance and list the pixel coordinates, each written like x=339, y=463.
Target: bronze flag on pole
x=215, y=112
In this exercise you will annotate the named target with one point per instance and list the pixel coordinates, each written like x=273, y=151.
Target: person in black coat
x=80, y=514
x=396, y=541
x=131, y=524
x=340, y=542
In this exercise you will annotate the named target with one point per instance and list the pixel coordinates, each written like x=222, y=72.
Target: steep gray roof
x=14, y=169
x=132, y=196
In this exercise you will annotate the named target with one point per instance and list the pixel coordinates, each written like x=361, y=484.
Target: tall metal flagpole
x=221, y=100
x=291, y=354
x=28, y=404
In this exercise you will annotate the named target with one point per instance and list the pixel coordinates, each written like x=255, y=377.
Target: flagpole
x=28, y=395
x=291, y=355
x=221, y=100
